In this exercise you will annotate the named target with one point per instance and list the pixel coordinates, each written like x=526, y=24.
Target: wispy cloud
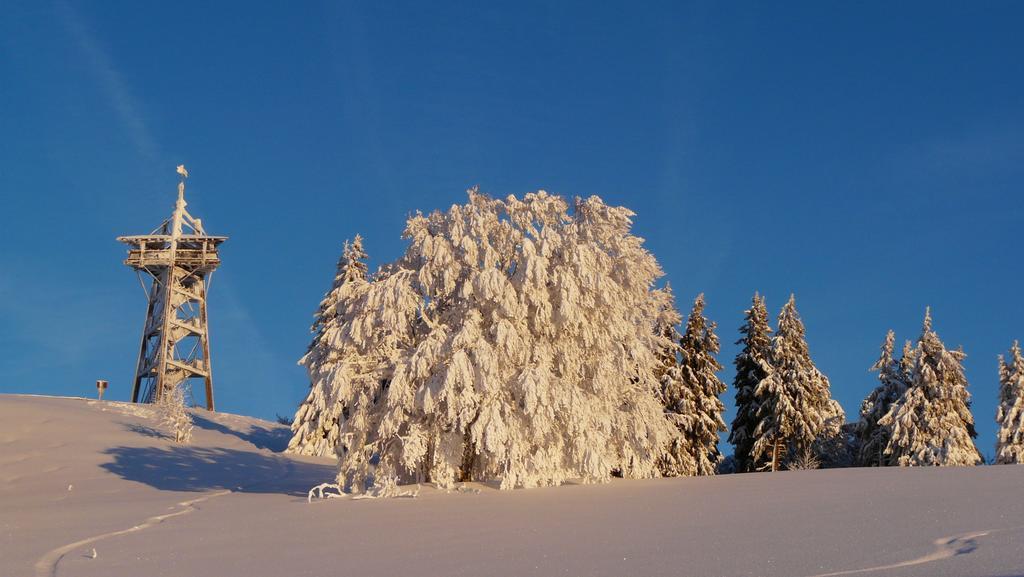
x=110, y=80
x=988, y=151
x=352, y=60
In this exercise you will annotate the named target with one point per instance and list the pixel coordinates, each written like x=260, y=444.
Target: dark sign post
x=101, y=386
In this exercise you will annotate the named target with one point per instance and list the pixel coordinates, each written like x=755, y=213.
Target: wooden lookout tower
x=178, y=258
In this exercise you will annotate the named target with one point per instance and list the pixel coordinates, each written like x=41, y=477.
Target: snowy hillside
x=79, y=475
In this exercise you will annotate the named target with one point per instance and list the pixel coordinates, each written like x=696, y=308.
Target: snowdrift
x=92, y=488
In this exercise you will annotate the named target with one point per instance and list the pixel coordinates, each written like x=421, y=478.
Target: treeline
x=918, y=415
x=526, y=341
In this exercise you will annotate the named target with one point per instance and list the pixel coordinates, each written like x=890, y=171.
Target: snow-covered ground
x=79, y=475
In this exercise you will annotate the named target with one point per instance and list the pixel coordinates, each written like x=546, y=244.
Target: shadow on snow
x=146, y=431
x=273, y=439
x=185, y=468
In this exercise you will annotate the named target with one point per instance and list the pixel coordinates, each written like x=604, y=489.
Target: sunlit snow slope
x=78, y=475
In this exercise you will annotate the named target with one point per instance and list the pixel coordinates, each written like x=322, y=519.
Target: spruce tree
x=796, y=413
x=315, y=427
x=1010, y=415
x=665, y=329
x=907, y=360
x=678, y=459
x=752, y=366
x=872, y=438
x=692, y=401
x=351, y=267
x=931, y=423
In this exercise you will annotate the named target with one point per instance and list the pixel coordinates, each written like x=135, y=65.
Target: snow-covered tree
x=677, y=459
x=351, y=268
x=174, y=415
x=872, y=438
x=1010, y=415
x=328, y=361
x=666, y=330
x=796, y=413
x=931, y=423
x=518, y=343
x=752, y=366
x=907, y=360
x=692, y=396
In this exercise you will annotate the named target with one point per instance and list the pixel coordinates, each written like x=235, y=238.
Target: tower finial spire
x=179, y=206
x=181, y=183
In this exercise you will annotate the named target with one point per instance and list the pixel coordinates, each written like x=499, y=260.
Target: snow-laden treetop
x=514, y=340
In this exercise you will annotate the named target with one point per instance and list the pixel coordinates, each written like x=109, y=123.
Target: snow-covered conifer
x=677, y=460
x=520, y=345
x=351, y=267
x=873, y=438
x=315, y=428
x=931, y=423
x=174, y=415
x=796, y=413
x=666, y=329
x=907, y=361
x=752, y=366
x=1010, y=415
x=692, y=399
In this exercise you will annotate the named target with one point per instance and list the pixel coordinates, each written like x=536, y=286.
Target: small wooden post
x=101, y=387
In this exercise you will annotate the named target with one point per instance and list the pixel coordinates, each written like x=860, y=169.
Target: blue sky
x=867, y=157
